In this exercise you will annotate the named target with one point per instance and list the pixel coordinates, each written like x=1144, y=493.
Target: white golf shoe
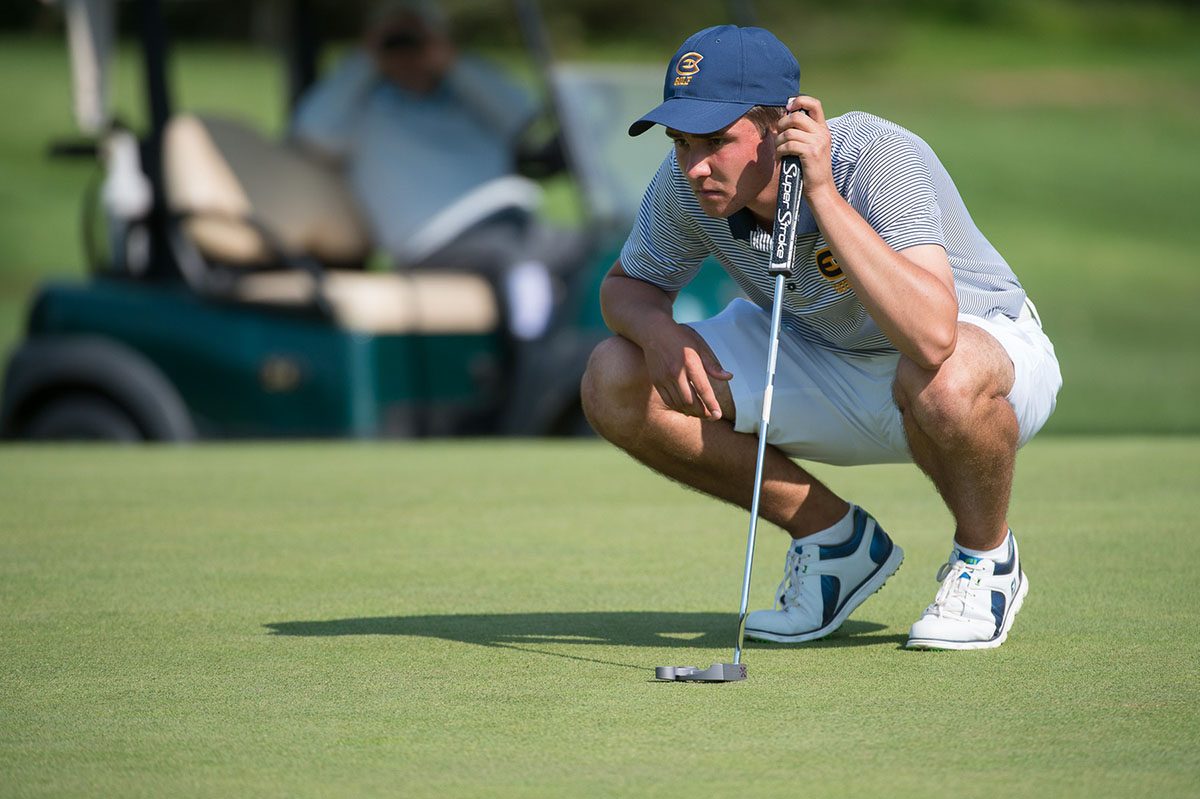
x=822, y=585
x=976, y=605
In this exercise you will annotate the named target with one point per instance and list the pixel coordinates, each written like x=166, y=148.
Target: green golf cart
x=227, y=295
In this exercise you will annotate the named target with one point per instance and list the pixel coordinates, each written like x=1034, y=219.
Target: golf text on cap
x=689, y=65
x=718, y=74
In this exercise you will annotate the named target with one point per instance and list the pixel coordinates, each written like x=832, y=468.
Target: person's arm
x=505, y=107
x=679, y=363
x=910, y=294
x=329, y=112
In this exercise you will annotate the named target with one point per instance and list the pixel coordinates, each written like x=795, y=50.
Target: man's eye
x=716, y=142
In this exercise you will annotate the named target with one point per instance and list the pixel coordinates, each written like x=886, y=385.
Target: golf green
x=484, y=619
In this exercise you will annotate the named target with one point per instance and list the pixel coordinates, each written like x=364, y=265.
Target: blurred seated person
x=429, y=140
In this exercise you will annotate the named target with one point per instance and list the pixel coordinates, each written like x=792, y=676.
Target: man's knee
x=947, y=402
x=935, y=399
x=612, y=383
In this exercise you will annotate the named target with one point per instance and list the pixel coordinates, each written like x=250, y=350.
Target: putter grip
x=787, y=212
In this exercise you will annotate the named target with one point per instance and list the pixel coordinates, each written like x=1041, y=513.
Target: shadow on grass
x=524, y=630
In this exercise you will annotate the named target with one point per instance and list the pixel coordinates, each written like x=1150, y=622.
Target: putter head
x=717, y=672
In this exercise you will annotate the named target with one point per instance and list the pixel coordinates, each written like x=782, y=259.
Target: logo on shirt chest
x=827, y=265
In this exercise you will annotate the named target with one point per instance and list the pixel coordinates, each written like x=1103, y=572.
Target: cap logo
x=688, y=66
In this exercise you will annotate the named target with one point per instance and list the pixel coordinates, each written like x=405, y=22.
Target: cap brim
x=690, y=115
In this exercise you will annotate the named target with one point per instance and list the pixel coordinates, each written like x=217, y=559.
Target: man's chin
x=717, y=209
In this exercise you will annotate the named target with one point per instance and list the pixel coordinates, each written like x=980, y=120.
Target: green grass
x=474, y=619
x=1073, y=146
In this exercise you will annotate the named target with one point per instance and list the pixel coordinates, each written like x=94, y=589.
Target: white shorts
x=836, y=408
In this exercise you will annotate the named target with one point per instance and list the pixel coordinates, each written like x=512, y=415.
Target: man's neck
x=762, y=208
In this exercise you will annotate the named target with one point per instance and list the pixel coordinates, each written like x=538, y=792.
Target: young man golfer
x=906, y=338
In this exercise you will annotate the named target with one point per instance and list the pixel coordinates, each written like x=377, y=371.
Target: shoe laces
x=795, y=570
x=958, y=579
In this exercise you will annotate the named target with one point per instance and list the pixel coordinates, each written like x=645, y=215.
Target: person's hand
x=681, y=367
x=802, y=132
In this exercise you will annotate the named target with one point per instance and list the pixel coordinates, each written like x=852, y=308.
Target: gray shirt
x=409, y=155
x=890, y=176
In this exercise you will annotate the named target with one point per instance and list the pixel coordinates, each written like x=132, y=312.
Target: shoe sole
x=871, y=586
x=991, y=643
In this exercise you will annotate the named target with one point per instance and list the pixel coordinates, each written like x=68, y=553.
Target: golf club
x=783, y=244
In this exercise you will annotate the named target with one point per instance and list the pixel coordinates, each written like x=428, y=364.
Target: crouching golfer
x=906, y=338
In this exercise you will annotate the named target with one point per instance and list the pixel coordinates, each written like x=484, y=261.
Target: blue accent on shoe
x=848, y=548
x=968, y=559
x=998, y=609
x=846, y=595
x=1007, y=566
x=881, y=545
x=830, y=588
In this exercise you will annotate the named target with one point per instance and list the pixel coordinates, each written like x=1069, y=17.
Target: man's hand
x=910, y=295
x=681, y=366
x=802, y=132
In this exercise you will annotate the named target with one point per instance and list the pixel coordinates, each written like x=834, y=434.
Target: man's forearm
x=328, y=113
x=633, y=308
x=680, y=366
x=914, y=305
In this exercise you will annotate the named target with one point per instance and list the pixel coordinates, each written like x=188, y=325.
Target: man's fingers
x=708, y=399
x=698, y=374
x=666, y=393
x=809, y=105
x=685, y=386
x=687, y=397
x=801, y=139
x=684, y=398
x=712, y=367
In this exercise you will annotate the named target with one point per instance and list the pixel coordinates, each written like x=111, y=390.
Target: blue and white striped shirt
x=890, y=176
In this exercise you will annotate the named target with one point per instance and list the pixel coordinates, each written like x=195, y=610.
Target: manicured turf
x=483, y=619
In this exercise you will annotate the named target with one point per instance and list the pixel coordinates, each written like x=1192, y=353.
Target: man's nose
x=696, y=165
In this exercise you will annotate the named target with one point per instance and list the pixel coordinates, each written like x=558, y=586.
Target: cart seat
x=418, y=302
x=246, y=202
x=231, y=185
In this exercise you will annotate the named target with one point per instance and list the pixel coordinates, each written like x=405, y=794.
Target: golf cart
x=227, y=295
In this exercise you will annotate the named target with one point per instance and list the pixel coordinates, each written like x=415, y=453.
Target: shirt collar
x=744, y=227
x=742, y=224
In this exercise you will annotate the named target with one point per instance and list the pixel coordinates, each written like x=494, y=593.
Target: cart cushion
x=232, y=184
x=415, y=302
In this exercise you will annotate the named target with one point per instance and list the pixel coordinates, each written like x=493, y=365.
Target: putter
x=783, y=245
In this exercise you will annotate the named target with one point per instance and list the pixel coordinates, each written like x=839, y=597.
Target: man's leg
x=827, y=576
x=709, y=456
x=963, y=433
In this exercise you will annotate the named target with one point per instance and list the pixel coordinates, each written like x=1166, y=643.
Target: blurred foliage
x=583, y=23
x=1070, y=128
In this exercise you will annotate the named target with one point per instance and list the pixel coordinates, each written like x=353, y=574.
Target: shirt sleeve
x=892, y=189
x=505, y=105
x=329, y=112
x=664, y=247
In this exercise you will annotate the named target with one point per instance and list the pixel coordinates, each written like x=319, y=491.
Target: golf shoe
x=823, y=584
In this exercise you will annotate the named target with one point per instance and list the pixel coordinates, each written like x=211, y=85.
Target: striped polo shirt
x=889, y=175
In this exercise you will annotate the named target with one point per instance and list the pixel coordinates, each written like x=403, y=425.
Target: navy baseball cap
x=719, y=74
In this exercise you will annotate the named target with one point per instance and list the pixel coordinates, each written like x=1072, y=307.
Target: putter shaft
x=764, y=422
x=783, y=245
